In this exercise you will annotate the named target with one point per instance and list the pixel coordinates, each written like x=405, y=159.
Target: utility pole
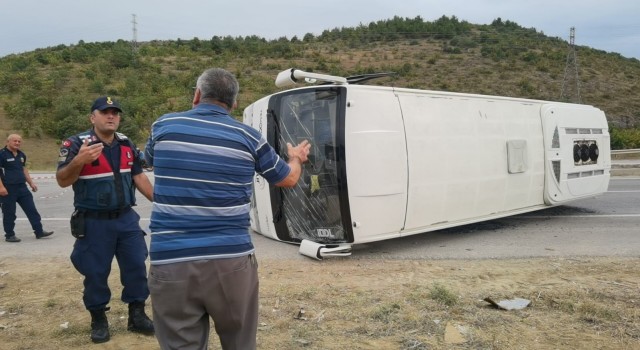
x=571, y=82
x=134, y=42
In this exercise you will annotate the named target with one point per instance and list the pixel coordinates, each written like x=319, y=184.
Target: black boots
x=139, y=321
x=99, y=326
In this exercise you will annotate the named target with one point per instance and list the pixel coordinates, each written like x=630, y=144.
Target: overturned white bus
x=388, y=162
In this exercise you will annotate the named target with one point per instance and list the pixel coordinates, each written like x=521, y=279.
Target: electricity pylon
x=571, y=82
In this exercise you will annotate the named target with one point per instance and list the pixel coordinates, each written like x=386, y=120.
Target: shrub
x=624, y=138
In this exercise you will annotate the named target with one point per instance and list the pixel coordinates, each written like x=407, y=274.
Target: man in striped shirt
x=202, y=257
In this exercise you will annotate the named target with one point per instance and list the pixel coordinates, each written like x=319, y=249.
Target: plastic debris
x=300, y=315
x=512, y=304
x=303, y=342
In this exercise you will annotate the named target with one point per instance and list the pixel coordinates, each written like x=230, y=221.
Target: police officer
x=104, y=169
x=13, y=189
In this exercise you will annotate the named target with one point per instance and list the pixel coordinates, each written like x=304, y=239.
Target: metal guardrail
x=625, y=151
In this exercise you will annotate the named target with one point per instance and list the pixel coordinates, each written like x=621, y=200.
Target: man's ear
x=196, y=97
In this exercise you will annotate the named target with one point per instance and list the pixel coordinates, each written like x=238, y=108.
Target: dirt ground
x=576, y=303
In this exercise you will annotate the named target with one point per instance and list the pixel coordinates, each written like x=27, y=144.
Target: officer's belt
x=106, y=215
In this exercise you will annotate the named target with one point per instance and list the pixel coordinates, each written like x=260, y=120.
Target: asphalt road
x=607, y=225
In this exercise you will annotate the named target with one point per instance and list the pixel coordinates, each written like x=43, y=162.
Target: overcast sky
x=609, y=25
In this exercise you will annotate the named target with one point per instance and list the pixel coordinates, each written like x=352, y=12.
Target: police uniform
x=103, y=195
x=14, y=180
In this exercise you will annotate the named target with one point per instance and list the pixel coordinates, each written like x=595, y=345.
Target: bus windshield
x=311, y=209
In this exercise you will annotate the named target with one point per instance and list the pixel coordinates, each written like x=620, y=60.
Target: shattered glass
x=312, y=208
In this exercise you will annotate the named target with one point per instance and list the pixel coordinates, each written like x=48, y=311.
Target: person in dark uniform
x=14, y=178
x=104, y=169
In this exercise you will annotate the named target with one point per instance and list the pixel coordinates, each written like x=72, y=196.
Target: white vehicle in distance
x=388, y=162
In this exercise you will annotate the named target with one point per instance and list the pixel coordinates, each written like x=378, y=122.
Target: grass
x=359, y=304
x=443, y=296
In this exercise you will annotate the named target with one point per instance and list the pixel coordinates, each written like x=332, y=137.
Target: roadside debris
x=300, y=315
x=303, y=342
x=512, y=304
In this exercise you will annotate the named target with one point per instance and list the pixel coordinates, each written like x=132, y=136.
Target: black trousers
x=19, y=194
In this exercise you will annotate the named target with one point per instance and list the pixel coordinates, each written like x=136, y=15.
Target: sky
x=25, y=25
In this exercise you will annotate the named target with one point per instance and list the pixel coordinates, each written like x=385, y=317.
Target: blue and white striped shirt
x=204, y=163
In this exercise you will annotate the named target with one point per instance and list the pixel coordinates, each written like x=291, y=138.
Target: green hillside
x=45, y=94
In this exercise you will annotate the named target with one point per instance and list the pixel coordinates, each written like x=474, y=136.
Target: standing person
x=13, y=189
x=104, y=169
x=202, y=258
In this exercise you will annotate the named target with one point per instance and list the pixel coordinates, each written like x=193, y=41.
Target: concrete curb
x=625, y=167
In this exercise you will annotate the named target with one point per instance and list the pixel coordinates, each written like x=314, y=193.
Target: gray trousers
x=184, y=295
